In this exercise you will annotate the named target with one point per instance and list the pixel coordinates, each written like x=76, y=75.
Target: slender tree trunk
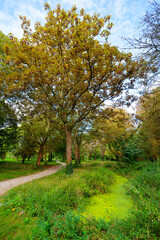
x=4, y=156
x=40, y=154
x=50, y=157
x=102, y=152
x=23, y=160
x=69, y=168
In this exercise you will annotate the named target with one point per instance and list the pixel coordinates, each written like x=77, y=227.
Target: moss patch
x=115, y=204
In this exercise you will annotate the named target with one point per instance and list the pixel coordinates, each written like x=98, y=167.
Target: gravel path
x=8, y=184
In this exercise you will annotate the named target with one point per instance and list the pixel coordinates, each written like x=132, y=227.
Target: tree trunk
x=50, y=157
x=23, y=160
x=40, y=154
x=102, y=152
x=69, y=168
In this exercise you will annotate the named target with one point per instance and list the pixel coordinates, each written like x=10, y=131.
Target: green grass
x=9, y=170
x=48, y=208
x=45, y=199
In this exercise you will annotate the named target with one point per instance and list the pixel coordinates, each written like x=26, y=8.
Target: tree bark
x=69, y=168
x=68, y=146
x=40, y=153
x=102, y=152
x=23, y=160
x=50, y=157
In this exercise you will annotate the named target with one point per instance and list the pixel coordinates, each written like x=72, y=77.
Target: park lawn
x=48, y=208
x=9, y=170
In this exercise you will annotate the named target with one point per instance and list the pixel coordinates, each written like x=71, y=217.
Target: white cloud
x=120, y=8
x=3, y=17
x=80, y=3
x=10, y=22
x=125, y=14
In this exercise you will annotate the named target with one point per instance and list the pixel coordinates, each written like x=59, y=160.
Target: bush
x=131, y=152
x=98, y=180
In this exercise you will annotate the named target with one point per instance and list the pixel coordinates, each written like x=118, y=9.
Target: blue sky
x=125, y=14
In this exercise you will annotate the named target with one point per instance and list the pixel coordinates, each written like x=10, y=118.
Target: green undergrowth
x=51, y=197
x=9, y=170
x=46, y=207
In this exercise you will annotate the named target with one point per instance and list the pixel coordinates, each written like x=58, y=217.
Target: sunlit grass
x=48, y=206
x=9, y=170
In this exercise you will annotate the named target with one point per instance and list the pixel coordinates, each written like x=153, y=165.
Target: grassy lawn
x=9, y=170
x=49, y=208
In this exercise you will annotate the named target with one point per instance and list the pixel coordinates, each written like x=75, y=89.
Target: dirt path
x=8, y=184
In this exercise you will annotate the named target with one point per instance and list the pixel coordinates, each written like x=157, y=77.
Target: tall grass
x=49, y=199
x=46, y=206
x=142, y=224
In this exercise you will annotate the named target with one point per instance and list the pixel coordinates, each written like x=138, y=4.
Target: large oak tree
x=65, y=65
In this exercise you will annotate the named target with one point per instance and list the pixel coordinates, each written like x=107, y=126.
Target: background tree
x=148, y=41
x=64, y=66
x=109, y=128
x=26, y=146
x=39, y=129
x=8, y=127
x=148, y=113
